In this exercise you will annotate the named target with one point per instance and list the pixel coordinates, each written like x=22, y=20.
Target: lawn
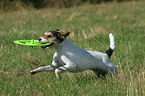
x=89, y=27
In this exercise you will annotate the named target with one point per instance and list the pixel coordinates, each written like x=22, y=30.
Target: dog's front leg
x=48, y=68
x=63, y=69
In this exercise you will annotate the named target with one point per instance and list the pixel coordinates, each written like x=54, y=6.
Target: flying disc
x=31, y=42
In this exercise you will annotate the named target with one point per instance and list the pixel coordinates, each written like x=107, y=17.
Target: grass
x=89, y=27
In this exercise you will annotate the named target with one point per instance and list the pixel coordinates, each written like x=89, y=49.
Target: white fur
x=112, y=42
x=43, y=40
x=69, y=57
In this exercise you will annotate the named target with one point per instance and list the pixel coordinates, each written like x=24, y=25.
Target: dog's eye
x=49, y=36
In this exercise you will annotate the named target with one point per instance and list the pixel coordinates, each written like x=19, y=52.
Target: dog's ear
x=64, y=34
x=61, y=36
x=57, y=29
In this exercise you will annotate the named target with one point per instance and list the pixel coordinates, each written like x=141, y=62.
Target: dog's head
x=54, y=37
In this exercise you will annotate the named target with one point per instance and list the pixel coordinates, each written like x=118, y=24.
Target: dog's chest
x=64, y=58
x=59, y=58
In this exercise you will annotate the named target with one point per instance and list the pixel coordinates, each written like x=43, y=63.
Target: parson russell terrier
x=71, y=58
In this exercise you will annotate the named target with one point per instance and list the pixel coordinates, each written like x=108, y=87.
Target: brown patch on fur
x=55, y=36
x=50, y=37
x=48, y=33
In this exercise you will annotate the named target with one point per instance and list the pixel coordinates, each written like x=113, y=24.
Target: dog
x=71, y=58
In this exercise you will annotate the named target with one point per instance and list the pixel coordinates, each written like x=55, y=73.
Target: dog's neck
x=62, y=45
x=66, y=45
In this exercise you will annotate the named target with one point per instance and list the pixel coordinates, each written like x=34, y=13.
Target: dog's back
x=69, y=53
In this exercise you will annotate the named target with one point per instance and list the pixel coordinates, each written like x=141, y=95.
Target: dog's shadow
x=83, y=77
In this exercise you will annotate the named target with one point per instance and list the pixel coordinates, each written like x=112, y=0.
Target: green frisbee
x=31, y=42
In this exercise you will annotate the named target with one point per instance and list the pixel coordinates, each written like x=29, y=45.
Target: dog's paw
x=33, y=72
x=57, y=72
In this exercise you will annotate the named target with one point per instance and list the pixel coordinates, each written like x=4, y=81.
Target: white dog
x=69, y=57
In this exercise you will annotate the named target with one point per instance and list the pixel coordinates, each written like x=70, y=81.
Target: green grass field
x=89, y=27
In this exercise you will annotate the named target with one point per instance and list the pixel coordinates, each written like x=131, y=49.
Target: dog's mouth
x=47, y=46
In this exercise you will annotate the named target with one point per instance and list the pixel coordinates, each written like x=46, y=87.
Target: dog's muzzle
x=47, y=46
x=44, y=41
x=40, y=39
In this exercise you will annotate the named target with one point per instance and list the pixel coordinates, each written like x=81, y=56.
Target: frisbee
x=31, y=42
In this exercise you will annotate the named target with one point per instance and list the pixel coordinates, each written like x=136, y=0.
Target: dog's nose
x=40, y=39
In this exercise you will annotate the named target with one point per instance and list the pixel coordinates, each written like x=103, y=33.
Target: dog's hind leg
x=100, y=73
x=48, y=68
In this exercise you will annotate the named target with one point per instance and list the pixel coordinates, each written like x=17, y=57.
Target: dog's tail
x=112, y=45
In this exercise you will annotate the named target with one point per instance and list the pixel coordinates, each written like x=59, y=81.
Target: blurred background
x=15, y=5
